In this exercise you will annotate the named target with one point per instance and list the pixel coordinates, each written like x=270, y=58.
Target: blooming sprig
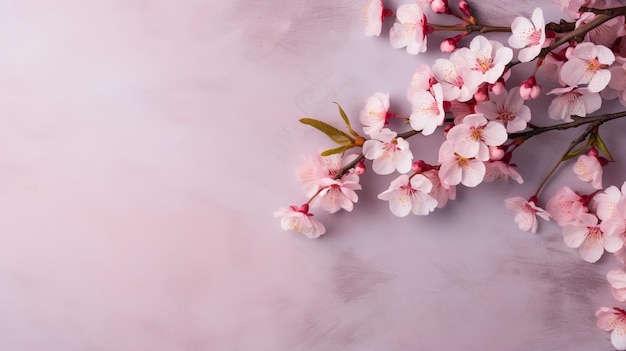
x=473, y=99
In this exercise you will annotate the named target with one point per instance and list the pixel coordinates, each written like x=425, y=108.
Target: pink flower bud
x=420, y=167
x=593, y=152
x=498, y=87
x=440, y=6
x=495, y=153
x=464, y=7
x=482, y=94
x=359, y=168
x=529, y=89
x=448, y=45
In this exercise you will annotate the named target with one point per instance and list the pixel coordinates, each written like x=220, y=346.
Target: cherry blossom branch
x=578, y=34
x=561, y=27
x=578, y=121
x=345, y=169
x=470, y=28
x=591, y=128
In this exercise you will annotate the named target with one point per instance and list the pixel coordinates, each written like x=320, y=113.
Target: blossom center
x=294, y=224
x=409, y=29
x=461, y=161
x=594, y=65
x=477, y=134
x=534, y=38
x=483, y=64
x=595, y=233
x=505, y=115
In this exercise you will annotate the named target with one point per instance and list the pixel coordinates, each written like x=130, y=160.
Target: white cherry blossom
x=526, y=213
x=374, y=113
x=336, y=194
x=473, y=137
x=617, y=279
x=410, y=30
x=528, y=35
x=457, y=169
x=456, y=80
x=389, y=152
x=507, y=108
x=573, y=101
x=409, y=194
x=613, y=320
x=501, y=171
x=589, y=239
x=428, y=111
x=587, y=64
x=373, y=18
x=589, y=169
x=298, y=219
x=487, y=58
x=440, y=191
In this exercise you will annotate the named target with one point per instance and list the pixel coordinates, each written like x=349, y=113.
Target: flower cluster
x=469, y=96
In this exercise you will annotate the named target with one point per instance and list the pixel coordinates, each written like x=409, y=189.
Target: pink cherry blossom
x=508, y=108
x=454, y=79
x=605, y=202
x=588, y=237
x=318, y=168
x=410, y=30
x=551, y=67
x=374, y=18
x=457, y=169
x=428, y=110
x=374, y=114
x=586, y=64
x=298, y=219
x=617, y=279
x=409, y=194
x=389, y=152
x=618, y=79
x=440, y=191
x=573, y=101
x=528, y=34
x=487, y=58
x=501, y=171
x=570, y=7
x=589, y=169
x=607, y=32
x=613, y=319
x=566, y=206
x=461, y=109
x=473, y=137
x=526, y=213
x=423, y=79
x=614, y=222
x=336, y=194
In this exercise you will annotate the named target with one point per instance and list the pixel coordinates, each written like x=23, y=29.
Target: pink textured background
x=144, y=145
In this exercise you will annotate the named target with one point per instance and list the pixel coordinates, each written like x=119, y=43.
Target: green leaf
x=576, y=152
x=345, y=118
x=335, y=150
x=602, y=146
x=338, y=136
